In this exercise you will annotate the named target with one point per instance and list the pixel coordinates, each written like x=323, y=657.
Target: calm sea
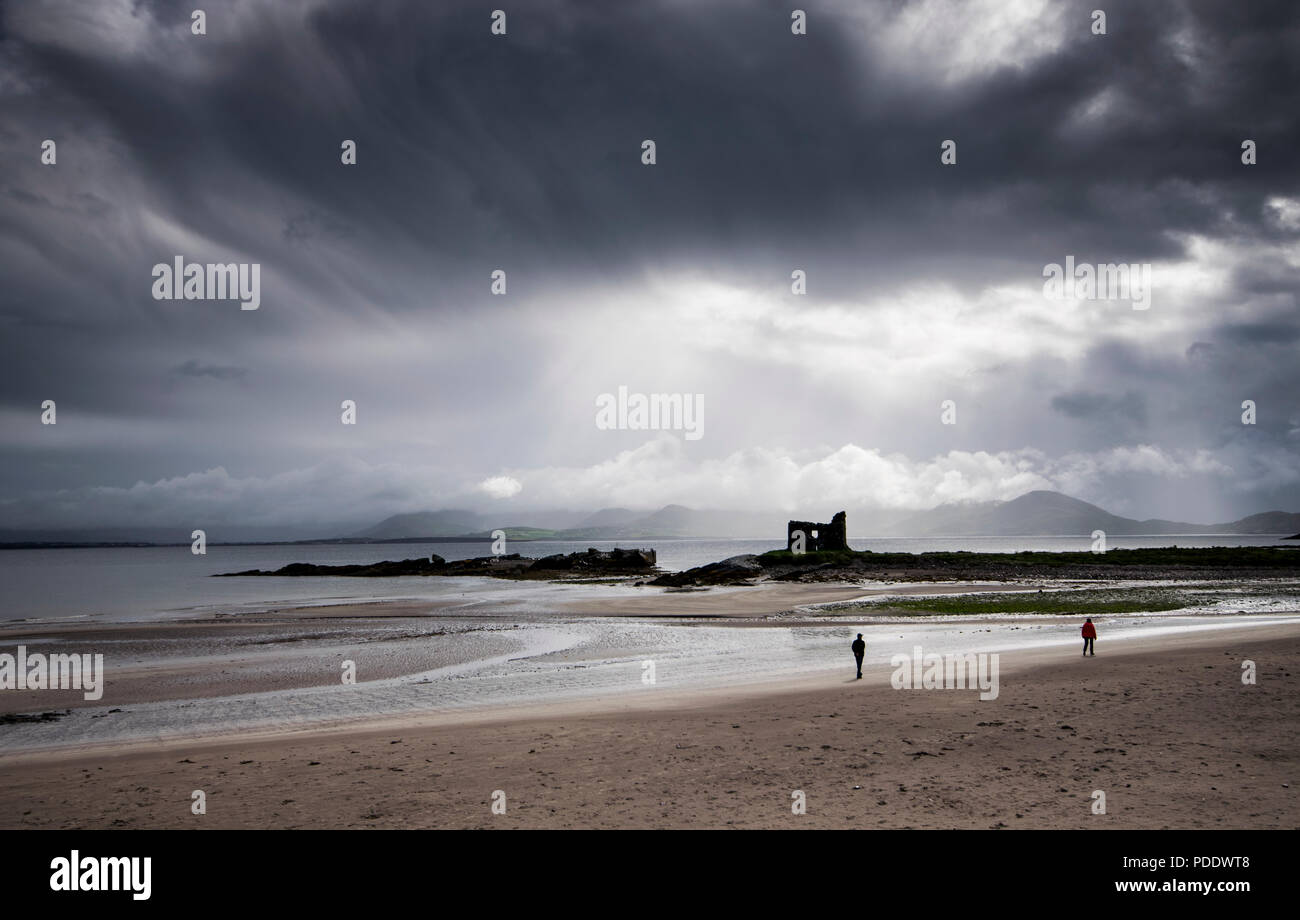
x=132, y=582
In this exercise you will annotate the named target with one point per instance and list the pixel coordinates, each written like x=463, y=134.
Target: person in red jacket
x=1089, y=636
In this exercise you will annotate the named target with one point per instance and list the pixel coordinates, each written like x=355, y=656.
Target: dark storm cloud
x=1130, y=407
x=474, y=149
x=477, y=152
x=1256, y=334
x=194, y=368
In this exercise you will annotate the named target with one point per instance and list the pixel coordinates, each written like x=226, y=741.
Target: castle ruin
x=817, y=537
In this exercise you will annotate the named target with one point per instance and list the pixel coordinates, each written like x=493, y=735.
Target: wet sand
x=287, y=647
x=1163, y=726
x=764, y=600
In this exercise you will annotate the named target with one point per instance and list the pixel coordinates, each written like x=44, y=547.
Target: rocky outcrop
x=855, y=567
x=738, y=570
x=593, y=562
x=432, y=566
x=614, y=561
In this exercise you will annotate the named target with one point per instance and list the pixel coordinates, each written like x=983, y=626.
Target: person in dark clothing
x=1089, y=636
x=859, y=649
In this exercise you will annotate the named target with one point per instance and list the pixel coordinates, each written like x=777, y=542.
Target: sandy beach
x=1163, y=726
x=284, y=648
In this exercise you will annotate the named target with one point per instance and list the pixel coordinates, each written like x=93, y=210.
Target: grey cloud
x=1256, y=334
x=1130, y=406
x=195, y=368
x=474, y=153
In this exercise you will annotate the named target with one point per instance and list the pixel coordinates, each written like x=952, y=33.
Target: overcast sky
x=523, y=152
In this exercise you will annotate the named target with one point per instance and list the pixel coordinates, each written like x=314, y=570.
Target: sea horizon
x=122, y=583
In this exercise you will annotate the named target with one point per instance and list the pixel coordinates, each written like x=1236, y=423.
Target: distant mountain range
x=1032, y=514
x=606, y=524
x=1037, y=513
x=1044, y=513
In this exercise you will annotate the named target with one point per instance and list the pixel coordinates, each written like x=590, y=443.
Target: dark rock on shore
x=511, y=566
x=431, y=566
x=852, y=566
x=738, y=570
x=18, y=718
x=592, y=562
x=629, y=561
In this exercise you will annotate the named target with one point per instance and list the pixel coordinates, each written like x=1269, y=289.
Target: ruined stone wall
x=818, y=537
